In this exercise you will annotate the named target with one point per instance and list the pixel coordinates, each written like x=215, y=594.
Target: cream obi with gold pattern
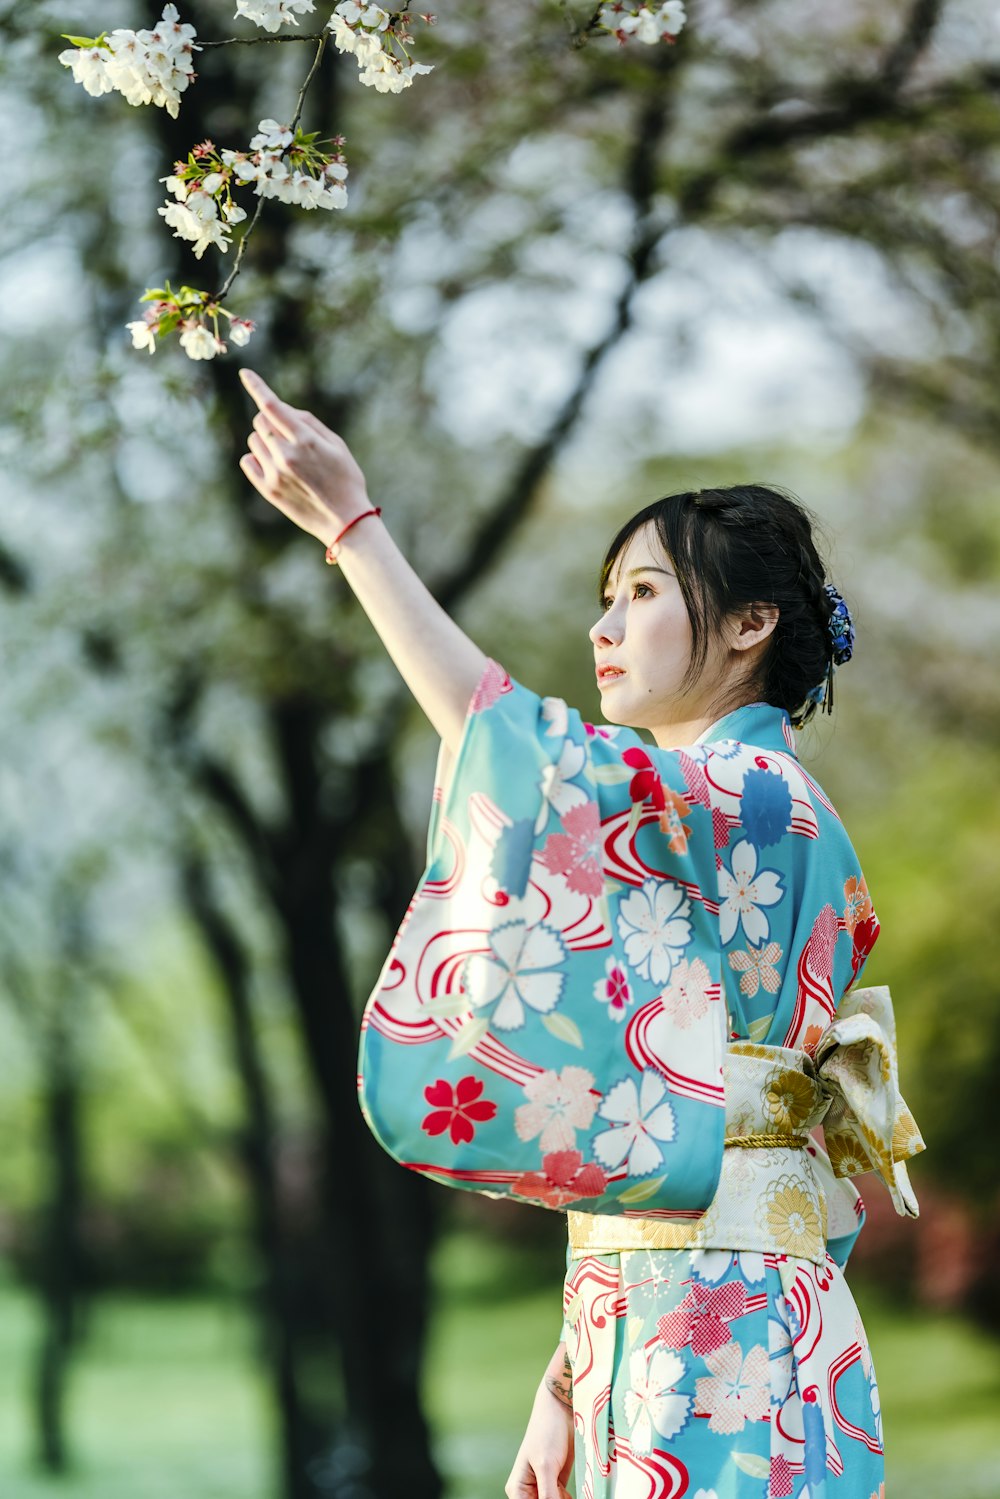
x=779, y=1190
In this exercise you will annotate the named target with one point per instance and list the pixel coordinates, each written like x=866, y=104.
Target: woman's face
x=642, y=644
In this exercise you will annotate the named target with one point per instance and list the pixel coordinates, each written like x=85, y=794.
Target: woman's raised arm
x=309, y=474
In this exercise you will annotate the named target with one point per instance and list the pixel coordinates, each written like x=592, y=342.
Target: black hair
x=740, y=545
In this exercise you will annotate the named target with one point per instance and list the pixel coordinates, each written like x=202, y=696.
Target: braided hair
x=746, y=544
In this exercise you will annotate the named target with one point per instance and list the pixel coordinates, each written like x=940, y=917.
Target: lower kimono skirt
x=720, y=1374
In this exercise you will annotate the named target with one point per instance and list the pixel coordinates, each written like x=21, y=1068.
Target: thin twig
x=580, y=39
x=241, y=250
x=309, y=78
x=255, y=41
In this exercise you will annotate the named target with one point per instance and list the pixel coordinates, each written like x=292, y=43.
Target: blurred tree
x=489, y=298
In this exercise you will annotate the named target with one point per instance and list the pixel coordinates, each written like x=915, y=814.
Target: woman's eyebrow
x=633, y=572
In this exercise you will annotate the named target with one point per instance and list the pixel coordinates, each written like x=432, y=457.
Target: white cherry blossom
x=240, y=330
x=273, y=14
x=198, y=342
x=143, y=334
x=89, y=66
x=271, y=136
x=344, y=36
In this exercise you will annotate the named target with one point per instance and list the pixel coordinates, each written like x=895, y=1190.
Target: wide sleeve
x=549, y=1023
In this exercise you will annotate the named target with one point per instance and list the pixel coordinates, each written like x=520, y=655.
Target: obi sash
x=779, y=1189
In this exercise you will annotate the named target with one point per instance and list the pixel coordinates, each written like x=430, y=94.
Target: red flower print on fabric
x=865, y=934
x=701, y=1318
x=457, y=1109
x=563, y=1178
x=695, y=781
x=613, y=990
x=574, y=853
x=823, y=941
x=781, y=1479
x=645, y=786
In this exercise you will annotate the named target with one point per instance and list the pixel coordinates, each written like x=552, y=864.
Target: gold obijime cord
x=767, y=1142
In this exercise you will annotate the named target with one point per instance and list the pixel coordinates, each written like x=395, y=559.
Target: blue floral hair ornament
x=841, y=626
x=841, y=630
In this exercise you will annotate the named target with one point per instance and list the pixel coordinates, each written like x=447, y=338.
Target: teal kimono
x=626, y=989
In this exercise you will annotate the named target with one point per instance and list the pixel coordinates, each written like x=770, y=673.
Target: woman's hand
x=545, y=1457
x=300, y=466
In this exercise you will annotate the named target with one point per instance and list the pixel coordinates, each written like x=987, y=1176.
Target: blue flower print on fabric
x=522, y=968
x=766, y=807
x=511, y=861
x=743, y=890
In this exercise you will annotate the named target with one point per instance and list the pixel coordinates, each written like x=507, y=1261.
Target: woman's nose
x=607, y=630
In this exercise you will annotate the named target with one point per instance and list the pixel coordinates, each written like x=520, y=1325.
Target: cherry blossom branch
x=241, y=248
x=257, y=41
x=157, y=66
x=323, y=39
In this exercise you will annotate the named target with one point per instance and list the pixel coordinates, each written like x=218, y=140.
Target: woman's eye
x=607, y=601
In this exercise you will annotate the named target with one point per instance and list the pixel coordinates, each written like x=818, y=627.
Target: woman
x=716, y=1353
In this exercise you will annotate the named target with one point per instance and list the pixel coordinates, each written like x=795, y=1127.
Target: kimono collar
x=760, y=724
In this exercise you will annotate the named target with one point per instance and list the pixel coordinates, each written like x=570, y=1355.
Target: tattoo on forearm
x=561, y=1385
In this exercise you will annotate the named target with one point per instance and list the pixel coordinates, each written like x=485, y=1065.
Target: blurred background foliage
x=569, y=279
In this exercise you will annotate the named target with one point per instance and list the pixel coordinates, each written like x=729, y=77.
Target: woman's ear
x=753, y=625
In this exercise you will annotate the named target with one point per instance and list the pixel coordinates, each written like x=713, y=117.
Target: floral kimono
x=626, y=989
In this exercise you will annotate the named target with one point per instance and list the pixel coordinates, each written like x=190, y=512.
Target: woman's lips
x=606, y=674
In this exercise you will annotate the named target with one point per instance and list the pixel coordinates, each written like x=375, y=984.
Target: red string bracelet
x=331, y=555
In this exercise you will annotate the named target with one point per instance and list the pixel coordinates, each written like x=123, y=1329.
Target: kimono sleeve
x=554, y=992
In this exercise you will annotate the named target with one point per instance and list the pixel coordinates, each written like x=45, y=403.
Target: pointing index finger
x=281, y=415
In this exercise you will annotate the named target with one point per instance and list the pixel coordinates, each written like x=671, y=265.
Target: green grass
x=167, y=1401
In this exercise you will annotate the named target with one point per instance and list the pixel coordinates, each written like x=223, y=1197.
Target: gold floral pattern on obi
x=789, y=1098
x=846, y=1155
x=789, y=1214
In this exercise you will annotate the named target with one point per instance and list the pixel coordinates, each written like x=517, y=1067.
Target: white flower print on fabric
x=738, y=1389
x=556, y=791
x=653, y=1401
x=653, y=924
x=559, y=1103
x=711, y=1265
x=522, y=967
x=876, y=1404
x=556, y=714
x=613, y=990
x=687, y=997
x=743, y=892
x=640, y=1116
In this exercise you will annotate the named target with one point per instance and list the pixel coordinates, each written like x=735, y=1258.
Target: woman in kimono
x=700, y=897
